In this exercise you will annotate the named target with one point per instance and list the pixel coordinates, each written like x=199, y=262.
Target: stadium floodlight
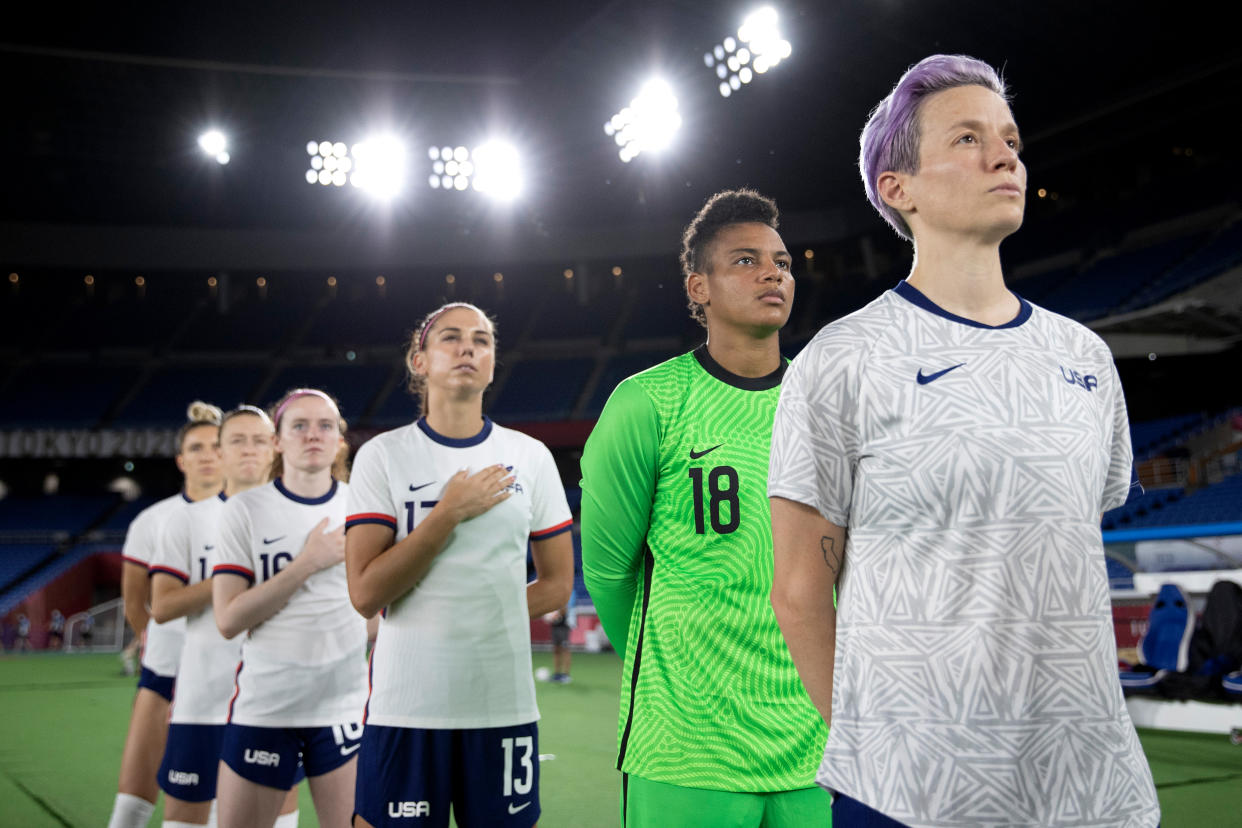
x=330, y=163
x=649, y=123
x=498, y=170
x=378, y=165
x=493, y=168
x=757, y=48
x=215, y=144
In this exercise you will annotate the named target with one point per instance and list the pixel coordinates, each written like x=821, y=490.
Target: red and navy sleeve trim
x=134, y=561
x=168, y=570
x=552, y=531
x=233, y=569
x=371, y=517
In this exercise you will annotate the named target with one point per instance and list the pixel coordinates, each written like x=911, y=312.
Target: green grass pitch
x=65, y=718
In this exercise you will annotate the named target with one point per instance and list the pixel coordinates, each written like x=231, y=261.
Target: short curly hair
x=721, y=210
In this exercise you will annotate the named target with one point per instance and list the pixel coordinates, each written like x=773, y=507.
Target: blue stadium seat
x=1166, y=644
x=17, y=559
x=163, y=399
x=50, y=570
x=617, y=369
x=1105, y=284
x=53, y=513
x=63, y=395
x=541, y=389
x=1119, y=575
x=354, y=385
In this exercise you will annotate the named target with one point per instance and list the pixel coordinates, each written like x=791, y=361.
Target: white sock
x=289, y=820
x=129, y=811
x=211, y=820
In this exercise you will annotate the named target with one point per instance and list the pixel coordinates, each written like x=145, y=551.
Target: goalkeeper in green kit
x=715, y=726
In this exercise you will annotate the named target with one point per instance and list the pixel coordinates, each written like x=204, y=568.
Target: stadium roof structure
x=102, y=108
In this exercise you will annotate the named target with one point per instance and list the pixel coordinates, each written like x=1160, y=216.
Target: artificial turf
x=65, y=718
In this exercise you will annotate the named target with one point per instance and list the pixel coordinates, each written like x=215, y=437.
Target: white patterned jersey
x=208, y=659
x=975, y=679
x=305, y=666
x=454, y=652
x=162, y=650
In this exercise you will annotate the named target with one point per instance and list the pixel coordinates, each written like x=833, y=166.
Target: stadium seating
x=544, y=389
x=162, y=398
x=1154, y=435
x=1100, y=288
x=52, y=514
x=1120, y=576
x=67, y=394
x=1218, y=503
x=17, y=559
x=618, y=368
x=52, y=567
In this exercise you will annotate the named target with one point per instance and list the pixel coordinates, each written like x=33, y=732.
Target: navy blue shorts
x=490, y=776
x=164, y=685
x=191, y=762
x=846, y=811
x=270, y=755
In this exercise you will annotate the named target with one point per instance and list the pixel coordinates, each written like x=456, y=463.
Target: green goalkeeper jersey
x=677, y=555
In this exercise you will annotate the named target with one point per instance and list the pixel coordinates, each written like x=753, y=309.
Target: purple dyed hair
x=890, y=140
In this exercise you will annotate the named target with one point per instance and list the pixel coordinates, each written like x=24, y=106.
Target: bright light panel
x=214, y=143
x=648, y=124
x=758, y=47
x=379, y=166
x=493, y=168
x=497, y=169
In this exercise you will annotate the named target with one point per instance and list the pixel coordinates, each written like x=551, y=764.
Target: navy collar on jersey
x=306, y=501
x=223, y=497
x=912, y=294
x=185, y=496
x=711, y=366
x=456, y=442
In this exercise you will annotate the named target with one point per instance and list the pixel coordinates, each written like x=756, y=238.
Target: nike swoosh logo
x=208, y=548
x=513, y=810
x=273, y=540
x=416, y=488
x=926, y=378
x=345, y=751
x=695, y=455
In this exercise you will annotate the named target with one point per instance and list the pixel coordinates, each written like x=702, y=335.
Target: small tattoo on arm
x=831, y=556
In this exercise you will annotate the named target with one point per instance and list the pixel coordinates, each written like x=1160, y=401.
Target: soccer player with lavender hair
x=942, y=457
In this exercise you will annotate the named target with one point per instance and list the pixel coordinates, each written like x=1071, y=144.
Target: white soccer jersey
x=975, y=680
x=162, y=650
x=454, y=652
x=208, y=659
x=304, y=666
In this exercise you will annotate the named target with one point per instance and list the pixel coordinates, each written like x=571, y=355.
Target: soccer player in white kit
x=198, y=461
x=943, y=456
x=181, y=588
x=439, y=518
x=279, y=574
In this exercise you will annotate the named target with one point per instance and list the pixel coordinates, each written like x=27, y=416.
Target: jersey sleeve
x=1122, y=479
x=137, y=548
x=370, y=498
x=619, y=466
x=815, y=436
x=233, y=554
x=171, y=554
x=550, y=513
